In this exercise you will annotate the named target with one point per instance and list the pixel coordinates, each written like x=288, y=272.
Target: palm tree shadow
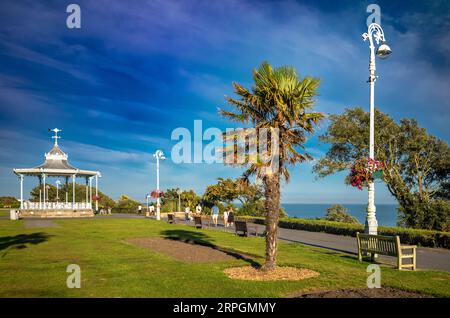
x=199, y=238
x=20, y=241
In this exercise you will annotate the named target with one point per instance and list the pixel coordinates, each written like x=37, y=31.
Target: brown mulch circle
x=385, y=292
x=185, y=252
x=279, y=273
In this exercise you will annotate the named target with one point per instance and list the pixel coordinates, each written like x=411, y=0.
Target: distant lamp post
x=159, y=155
x=58, y=183
x=179, y=192
x=47, y=188
x=374, y=32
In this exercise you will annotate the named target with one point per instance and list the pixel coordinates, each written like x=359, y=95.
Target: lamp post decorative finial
x=56, y=137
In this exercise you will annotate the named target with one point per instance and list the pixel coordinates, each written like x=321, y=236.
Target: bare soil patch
x=185, y=252
x=364, y=293
x=280, y=273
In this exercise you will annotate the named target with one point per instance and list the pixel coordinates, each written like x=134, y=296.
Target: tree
x=278, y=102
x=127, y=204
x=187, y=198
x=339, y=213
x=417, y=164
x=9, y=202
x=224, y=191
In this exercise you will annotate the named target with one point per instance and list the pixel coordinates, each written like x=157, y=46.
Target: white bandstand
x=56, y=165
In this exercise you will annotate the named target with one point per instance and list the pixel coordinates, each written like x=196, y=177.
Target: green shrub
x=339, y=213
x=9, y=202
x=428, y=238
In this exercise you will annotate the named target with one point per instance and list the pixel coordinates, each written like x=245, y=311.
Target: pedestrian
x=230, y=220
x=187, y=212
x=225, y=218
x=215, y=214
x=151, y=209
x=139, y=209
x=198, y=209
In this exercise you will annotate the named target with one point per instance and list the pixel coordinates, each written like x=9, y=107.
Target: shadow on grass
x=20, y=241
x=194, y=237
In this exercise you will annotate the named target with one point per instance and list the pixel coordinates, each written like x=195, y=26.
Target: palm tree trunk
x=272, y=207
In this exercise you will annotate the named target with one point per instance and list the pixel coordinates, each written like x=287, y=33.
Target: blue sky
x=136, y=70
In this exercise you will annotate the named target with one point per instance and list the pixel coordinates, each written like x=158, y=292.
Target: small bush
x=339, y=213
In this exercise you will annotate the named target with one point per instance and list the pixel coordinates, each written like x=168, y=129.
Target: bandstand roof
x=56, y=164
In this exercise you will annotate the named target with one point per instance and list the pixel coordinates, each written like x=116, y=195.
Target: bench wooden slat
x=385, y=245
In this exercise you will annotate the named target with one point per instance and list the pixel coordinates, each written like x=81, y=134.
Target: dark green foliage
x=125, y=204
x=187, y=198
x=9, y=202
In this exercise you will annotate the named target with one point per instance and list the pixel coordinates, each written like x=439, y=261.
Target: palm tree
x=279, y=99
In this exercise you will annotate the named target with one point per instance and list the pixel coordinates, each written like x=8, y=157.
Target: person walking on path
x=198, y=209
x=225, y=218
x=151, y=210
x=187, y=214
x=230, y=219
x=215, y=214
x=139, y=209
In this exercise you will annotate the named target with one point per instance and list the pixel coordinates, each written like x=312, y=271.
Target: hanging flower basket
x=365, y=170
x=96, y=198
x=157, y=194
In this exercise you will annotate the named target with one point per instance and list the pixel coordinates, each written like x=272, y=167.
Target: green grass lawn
x=112, y=268
x=4, y=212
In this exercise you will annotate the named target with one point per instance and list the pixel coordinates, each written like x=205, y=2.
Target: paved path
x=427, y=258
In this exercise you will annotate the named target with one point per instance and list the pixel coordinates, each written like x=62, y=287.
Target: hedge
x=427, y=238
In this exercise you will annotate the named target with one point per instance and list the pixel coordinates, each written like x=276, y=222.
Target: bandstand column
x=43, y=188
x=87, y=191
x=73, y=192
x=67, y=191
x=96, y=192
x=40, y=192
x=21, y=191
x=90, y=191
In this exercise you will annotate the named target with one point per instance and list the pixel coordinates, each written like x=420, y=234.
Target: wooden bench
x=243, y=229
x=170, y=218
x=199, y=222
x=386, y=245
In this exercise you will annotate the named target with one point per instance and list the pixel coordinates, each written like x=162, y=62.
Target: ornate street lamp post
x=374, y=32
x=179, y=199
x=159, y=155
x=57, y=189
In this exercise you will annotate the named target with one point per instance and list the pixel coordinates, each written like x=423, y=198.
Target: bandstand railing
x=57, y=206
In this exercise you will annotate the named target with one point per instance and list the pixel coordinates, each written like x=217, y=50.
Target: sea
x=386, y=214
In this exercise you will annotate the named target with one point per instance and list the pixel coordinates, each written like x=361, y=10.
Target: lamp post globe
x=383, y=51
